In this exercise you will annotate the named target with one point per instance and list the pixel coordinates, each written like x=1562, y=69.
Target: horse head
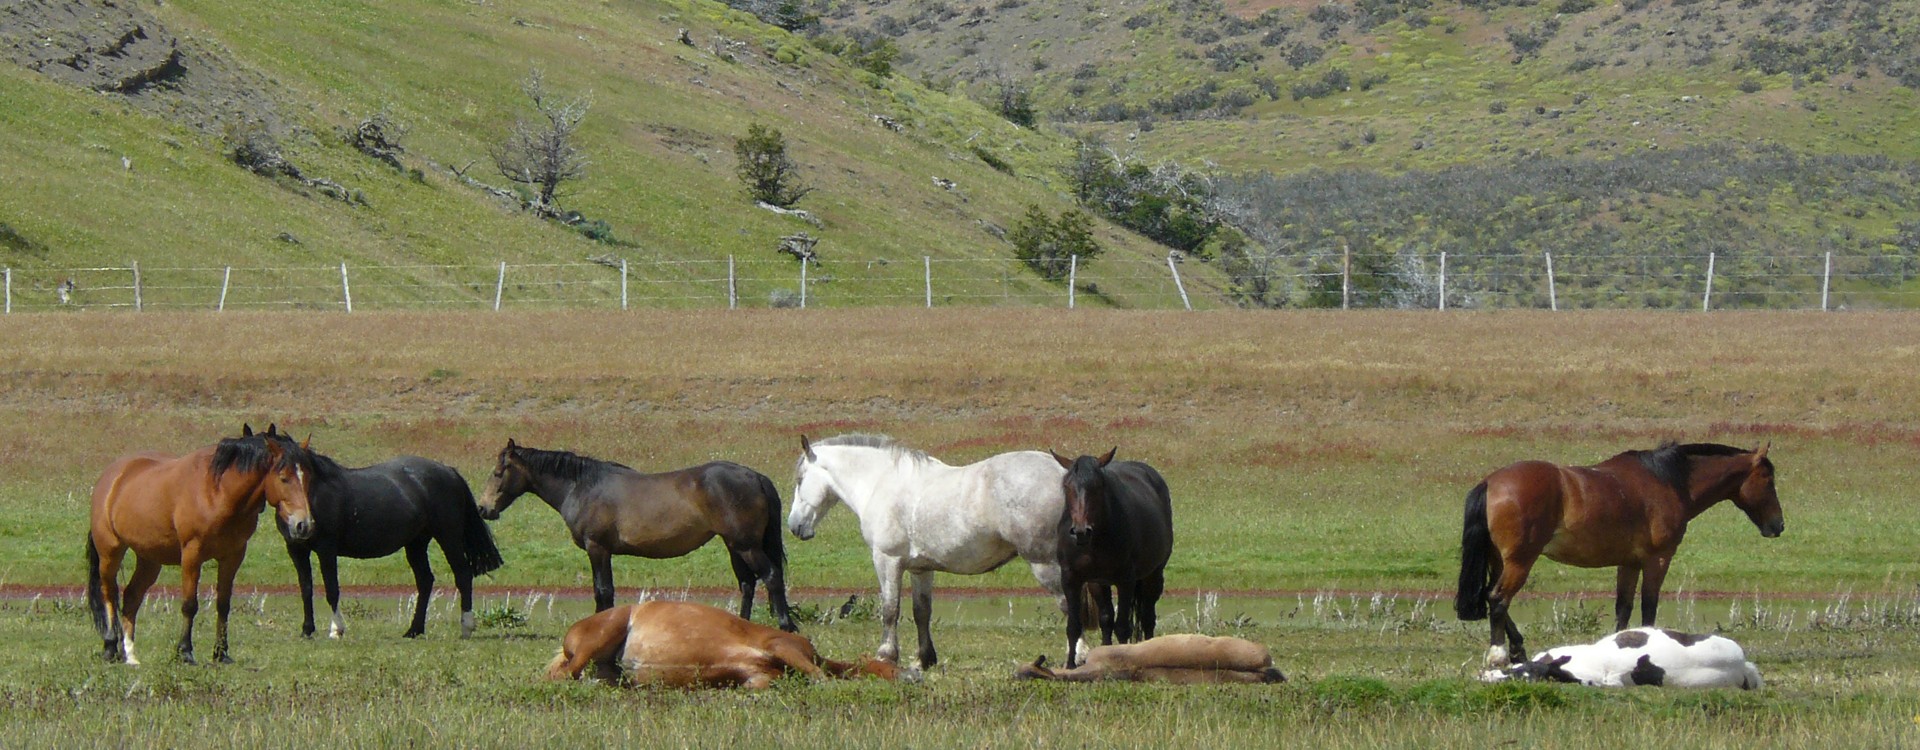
x=812, y=492
x=1086, y=493
x=510, y=479
x=1544, y=667
x=287, y=482
x=1757, y=497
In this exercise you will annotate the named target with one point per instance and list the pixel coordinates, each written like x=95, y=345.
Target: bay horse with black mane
x=611, y=509
x=404, y=503
x=1116, y=532
x=184, y=511
x=1629, y=511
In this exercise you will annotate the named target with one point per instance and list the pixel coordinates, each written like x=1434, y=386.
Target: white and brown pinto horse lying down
x=1642, y=656
x=686, y=645
x=1182, y=659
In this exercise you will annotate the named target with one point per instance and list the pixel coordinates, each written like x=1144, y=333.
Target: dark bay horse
x=185, y=511
x=613, y=510
x=1116, y=532
x=1629, y=511
x=404, y=503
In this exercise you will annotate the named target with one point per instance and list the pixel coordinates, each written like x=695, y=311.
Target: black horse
x=381, y=509
x=613, y=510
x=1116, y=531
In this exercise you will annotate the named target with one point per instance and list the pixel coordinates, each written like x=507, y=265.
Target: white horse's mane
x=871, y=440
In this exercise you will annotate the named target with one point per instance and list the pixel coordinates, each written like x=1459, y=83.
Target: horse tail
x=96, y=591
x=482, y=556
x=771, y=542
x=557, y=669
x=1476, y=542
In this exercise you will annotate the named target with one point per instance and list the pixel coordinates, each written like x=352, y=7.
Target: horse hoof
x=187, y=659
x=1497, y=658
x=222, y=659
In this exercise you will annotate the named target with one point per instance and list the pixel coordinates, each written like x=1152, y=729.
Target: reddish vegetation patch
x=1129, y=423
x=1280, y=454
x=1251, y=9
x=1009, y=440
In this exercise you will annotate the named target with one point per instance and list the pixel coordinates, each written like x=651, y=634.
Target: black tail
x=482, y=556
x=96, y=592
x=1476, y=542
x=771, y=541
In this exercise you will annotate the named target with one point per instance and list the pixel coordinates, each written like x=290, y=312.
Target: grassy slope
x=660, y=137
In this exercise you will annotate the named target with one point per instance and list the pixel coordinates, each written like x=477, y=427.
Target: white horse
x=1642, y=656
x=922, y=516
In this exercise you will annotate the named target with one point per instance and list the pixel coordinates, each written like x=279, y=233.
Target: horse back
x=137, y=502
x=373, y=511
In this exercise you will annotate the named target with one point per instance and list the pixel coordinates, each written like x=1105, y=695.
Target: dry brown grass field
x=1318, y=461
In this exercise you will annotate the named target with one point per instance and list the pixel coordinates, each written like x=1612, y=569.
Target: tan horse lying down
x=1180, y=659
x=686, y=645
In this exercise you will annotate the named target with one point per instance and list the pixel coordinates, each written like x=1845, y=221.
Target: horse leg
x=1100, y=604
x=144, y=574
x=453, y=547
x=114, y=639
x=602, y=562
x=1656, y=574
x=743, y=574
x=1123, y=616
x=189, y=598
x=422, y=584
x=303, y=569
x=923, y=616
x=1147, y=598
x=1507, y=646
x=888, y=570
x=1076, y=625
x=330, y=579
x=1624, y=580
x=224, y=572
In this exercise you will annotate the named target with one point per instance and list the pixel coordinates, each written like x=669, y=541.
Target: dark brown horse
x=1629, y=511
x=185, y=511
x=1116, y=532
x=613, y=510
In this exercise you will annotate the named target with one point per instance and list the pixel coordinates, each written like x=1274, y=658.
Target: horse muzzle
x=1080, y=535
x=300, y=528
x=490, y=514
x=801, y=531
x=1771, y=530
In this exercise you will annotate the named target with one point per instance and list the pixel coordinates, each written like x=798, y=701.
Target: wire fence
x=1542, y=281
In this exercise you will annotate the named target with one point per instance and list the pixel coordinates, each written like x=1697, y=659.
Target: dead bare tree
x=543, y=151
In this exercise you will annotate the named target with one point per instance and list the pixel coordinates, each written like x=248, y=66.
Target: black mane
x=1672, y=462
x=249, y=454
x=566, y=465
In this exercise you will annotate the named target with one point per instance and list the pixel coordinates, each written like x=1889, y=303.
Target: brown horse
x=1116, y=532
x=185, y=511
x=613, y=510
x=686, y=645
x=1629, y=511
x=1185, y=659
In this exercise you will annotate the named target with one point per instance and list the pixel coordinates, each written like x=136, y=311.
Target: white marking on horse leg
x=338, y=627
x=466, y=624
x=1082, y=648
x=1497, y=657
x=126, y=649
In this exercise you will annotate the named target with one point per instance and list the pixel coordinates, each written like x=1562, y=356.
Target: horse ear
x=1065, y=463
x=246, y=430
x=806, y=448
x=307, y=445
x=510, y=446
x=1761, y=455
x=1562, y=661
x=273, y=428
x=1107, y=459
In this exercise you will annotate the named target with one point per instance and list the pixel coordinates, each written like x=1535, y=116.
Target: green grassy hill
x=1766, y=132
x=104, y=179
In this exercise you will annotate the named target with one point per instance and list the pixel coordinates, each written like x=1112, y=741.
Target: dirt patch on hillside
x=119, y=49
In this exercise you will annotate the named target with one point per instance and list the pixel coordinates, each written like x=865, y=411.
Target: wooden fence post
x=1443, y=279
x=733, y=290
x=926, y=261
x=1177, y=284
x=499, y=286
x=623, y=283
x=1706, y=300
x=1553, y=295
x=346, y=289
x=225, y=280
x=136, y=287
x=1073, y=275
x=803, y=283
x=1826, y=281
x=1346, y=273
x=9, y=290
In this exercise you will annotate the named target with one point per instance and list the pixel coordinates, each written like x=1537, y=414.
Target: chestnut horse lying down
x=1641, y=656
x=686, y=645
x=1182, y=659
